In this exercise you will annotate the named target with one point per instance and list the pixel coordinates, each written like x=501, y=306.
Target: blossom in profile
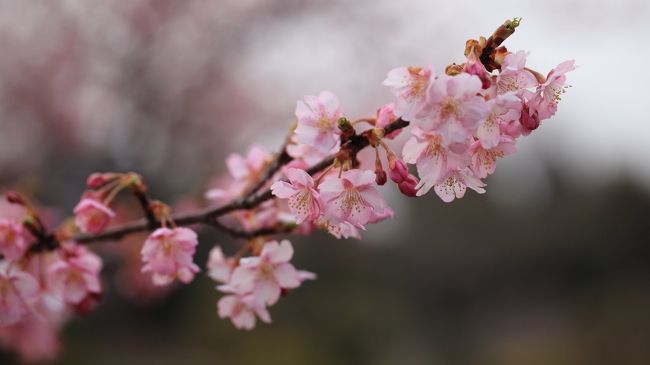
x=13, y=239
x=92, y=216
x=18, y=290
x=385, y=116
x=220, y=268
x=168, y=255
x=301, y=194
x=553, y=88
x=318, y=121
x=242, y=310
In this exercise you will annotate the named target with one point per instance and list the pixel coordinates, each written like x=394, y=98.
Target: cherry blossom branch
x=208, y=215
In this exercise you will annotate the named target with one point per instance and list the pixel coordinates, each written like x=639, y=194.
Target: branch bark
x=209, y=215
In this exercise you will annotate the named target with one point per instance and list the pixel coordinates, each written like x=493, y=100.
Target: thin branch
x=208, y=215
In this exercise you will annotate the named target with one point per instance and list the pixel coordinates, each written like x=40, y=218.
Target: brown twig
x=496, y=39
x=208, y=215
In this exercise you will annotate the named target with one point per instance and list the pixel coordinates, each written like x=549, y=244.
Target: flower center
x=324, y=124
x=448, y=108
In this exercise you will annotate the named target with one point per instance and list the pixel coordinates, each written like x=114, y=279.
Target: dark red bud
x=397, y=169
x=530, y=121
x=14, y=197
x=407, y=187
x=380, y=177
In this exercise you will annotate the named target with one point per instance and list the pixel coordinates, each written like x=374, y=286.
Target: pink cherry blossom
x=308, y=154
x=13, y=239
x=75, y=274
x=92, y=216
x=318, y=121
x=484, y=160
x=385, y=116
x=341, y=229
x=303, y=198
x=242, y=310
x=267, y=274
x=247, y=168
x=433, y=157
x=220, y=268
x=455, y=183
x=18, y=290
x=168, y=254
x=505, y=109
x=33, y=339
x=409, y=85
x=351, y=198
x=453, y=108
x=474, y=67
x=553, y=88
x=377, y=217
x=513, y=75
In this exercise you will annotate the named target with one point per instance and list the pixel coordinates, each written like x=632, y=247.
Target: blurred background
x=551, y=266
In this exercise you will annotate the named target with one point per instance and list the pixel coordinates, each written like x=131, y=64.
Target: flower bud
x=97, y=179
x=407, y=186
x=380, y=177
x=530, y=121
x=397, y=169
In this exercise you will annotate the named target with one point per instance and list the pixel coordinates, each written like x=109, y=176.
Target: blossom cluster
x=466, y=118
x=461, y=120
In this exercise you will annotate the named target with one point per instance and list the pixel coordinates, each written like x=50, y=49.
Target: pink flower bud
x=397, y=169
x=529, y=120
x=97, y=180
x=92, y=216
x=407, y=187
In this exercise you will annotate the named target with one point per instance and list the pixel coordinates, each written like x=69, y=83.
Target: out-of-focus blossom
x=34, y=339
x=75, y=274
x=13, y=239
x=267, y=274
x=92, y=216
x=168, y=253
x=318, y=121
x=18, y=290
x=220, y=268
x=242, y=310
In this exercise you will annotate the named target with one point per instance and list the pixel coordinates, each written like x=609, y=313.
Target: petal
x=286, y=276
x=283, y=190
x=278, y=253
x=267, y=291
